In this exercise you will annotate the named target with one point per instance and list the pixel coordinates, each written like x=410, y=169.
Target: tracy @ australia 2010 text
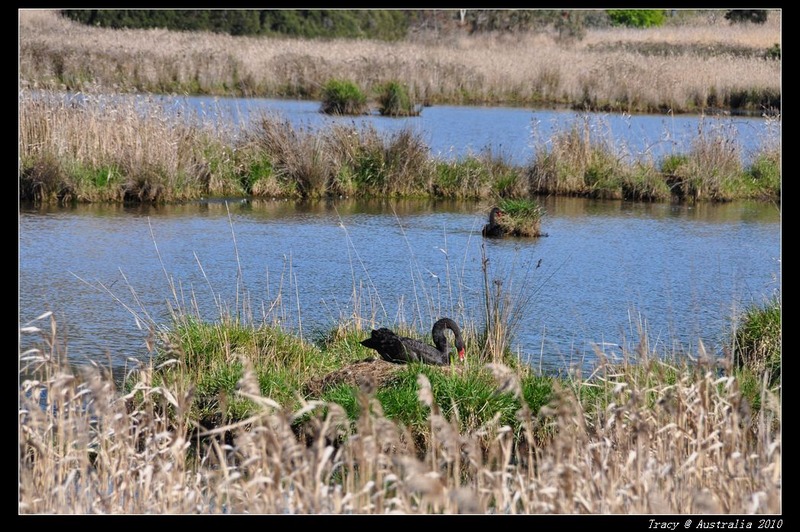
x=716, y=523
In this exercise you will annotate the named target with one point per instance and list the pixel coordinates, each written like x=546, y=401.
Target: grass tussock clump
x=341, y=97
x=581, y=160
x=584, y=160
x=295, y=161
x=711, y=169
x=757, y=345
x=521, y=217
x=394, y=100
x=643, y=437
x=478, y=176
x=369, y=165
x=341, y=161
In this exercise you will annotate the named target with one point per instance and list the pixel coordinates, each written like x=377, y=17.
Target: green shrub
x=343, y=98
x=637, y=18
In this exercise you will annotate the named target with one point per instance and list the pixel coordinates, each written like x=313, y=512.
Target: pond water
x=607, y=270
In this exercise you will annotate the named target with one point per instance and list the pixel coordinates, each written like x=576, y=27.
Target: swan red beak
x=461, y=355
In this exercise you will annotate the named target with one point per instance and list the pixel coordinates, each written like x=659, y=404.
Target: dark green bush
x=774, y=52
x=738, y=16
x=570, y=26
x=637, y=18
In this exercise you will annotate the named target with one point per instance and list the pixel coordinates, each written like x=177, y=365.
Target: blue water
x=607, y=272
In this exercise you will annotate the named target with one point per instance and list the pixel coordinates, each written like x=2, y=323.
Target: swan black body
x=402, y=350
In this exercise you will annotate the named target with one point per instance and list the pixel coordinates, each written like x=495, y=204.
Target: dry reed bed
x=113, y=151
x=660, y=438
x=709, y=31
x=534, y=68
x=96, y=137
x=116, y=148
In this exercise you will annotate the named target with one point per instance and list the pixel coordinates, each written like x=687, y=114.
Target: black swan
x=401, y=350
x=493, y=229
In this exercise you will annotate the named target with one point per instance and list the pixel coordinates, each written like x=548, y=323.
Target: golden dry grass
x=56, y=53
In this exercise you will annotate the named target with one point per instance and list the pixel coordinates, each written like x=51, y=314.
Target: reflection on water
x=607, y=269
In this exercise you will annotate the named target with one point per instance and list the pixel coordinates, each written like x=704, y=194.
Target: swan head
x=461, y=349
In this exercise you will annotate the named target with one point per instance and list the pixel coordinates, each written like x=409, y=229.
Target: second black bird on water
x=493, y=229
x=402, y=350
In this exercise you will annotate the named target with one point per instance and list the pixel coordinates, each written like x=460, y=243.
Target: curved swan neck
x=440, y=339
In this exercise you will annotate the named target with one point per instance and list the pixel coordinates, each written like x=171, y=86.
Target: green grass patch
x=644, y=183
x=757, y=342
x=215, y=355
x=471, y=399
x=765, y=174
x=460, y=179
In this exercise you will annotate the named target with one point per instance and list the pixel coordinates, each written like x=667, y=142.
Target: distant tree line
x=369, y=24
x=383, y=24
